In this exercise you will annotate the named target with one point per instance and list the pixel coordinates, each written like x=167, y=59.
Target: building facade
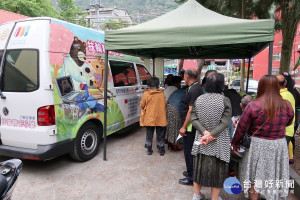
x=105, y=14
x=260, y=64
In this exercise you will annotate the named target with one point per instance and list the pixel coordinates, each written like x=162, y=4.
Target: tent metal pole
x=248, y=74
x=270, y=58
x=153, y=70
x=105, y=104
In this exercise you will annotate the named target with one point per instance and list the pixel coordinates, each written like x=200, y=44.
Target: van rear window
x=123, y=73
x=143, y=73
x=20, y=71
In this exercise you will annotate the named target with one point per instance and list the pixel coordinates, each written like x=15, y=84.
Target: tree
x=112, y=24
x=31, y=8
x=71, y=13
x=290, y=16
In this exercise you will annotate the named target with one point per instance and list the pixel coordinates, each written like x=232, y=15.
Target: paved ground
x=128, y=174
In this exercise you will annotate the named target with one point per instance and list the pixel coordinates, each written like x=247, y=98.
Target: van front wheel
x=87, y=142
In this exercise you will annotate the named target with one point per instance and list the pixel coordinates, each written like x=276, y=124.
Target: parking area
x=127, y=174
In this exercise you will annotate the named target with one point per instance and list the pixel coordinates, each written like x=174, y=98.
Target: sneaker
x=162, y=152
x=196, y=197
x=291, y=161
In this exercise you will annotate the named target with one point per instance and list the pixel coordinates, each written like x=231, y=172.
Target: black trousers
x=160, y=136
x=188, y=142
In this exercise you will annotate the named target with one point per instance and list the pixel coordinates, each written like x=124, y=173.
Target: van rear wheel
x=87, y=142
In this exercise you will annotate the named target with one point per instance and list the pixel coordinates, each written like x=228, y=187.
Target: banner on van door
x=77, y=69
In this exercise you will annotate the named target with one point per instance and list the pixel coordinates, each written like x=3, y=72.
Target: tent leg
x=248, y=74
x=270, y=58
x=105, y=104
x=153, y=59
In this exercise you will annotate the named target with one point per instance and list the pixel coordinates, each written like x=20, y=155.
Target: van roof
x=128, y=57
x=49, y=18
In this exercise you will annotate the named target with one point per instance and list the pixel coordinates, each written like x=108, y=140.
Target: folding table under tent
x=189, y=32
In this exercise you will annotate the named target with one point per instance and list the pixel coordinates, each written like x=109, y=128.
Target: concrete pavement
x=127, y=174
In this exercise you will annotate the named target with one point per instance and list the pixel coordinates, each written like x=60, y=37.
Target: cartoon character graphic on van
x=97, y=69
x=75, y=65
x=89, y=103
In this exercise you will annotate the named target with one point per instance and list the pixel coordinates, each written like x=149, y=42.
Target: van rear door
x=144, y=75
x=26, y=84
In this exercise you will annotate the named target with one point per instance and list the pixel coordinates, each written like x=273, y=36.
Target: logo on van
x=22, y=31
x=4, y=34
x=97, y=47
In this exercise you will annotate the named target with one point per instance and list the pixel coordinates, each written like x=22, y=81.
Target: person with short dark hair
x=207, y=74
x=168, y=80
x=245, y=101
x=181, y=74
x=289, y=83
x=173, y=86
x=287, y=95
x=193, y=92
x=235, y=100
x=153, y=102
x=211, y=116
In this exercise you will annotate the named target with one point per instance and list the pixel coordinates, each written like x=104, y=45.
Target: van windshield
x=20, y=71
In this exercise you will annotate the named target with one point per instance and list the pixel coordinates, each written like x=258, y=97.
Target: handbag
x=246, y=141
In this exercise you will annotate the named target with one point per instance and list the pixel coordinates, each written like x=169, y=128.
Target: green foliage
x=258, y=8
x=71, y=13
x=112, y=24
x=286, y=19
x=31, y=8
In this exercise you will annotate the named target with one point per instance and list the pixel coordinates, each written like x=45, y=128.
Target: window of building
x=276, y=56
x=275, y=71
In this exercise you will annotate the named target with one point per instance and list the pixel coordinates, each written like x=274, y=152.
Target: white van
x=52, y=89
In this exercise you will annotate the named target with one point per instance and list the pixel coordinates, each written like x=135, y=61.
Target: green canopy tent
x=192, y=31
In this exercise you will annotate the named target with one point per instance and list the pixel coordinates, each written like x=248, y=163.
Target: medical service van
x=52, y=89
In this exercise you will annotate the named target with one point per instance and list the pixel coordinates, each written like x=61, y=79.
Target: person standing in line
x=211, y=116
x=193, y=92
x=153, y=115
x=289, y=131
x=168, y=80
x=266, y=161
x=290, y=85
x=174, y=108
x=207, y=74
x=235, y=100
x=173, y=86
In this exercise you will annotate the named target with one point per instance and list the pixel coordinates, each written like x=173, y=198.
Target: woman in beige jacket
x=153, y=115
